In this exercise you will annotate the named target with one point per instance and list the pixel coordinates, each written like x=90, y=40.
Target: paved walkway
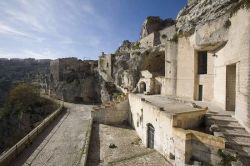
x=128, y=150
x=61, y=142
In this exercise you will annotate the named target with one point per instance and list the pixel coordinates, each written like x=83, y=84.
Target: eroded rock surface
x=74, y=80
x=200, y=12
x=153, y=24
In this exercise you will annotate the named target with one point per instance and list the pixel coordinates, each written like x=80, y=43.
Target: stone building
x=197, y=102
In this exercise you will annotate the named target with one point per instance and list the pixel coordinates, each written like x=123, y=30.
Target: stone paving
x=128, y=149
x=62, y=141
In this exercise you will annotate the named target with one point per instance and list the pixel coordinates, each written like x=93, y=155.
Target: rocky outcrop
x=200, y=12
x=74, y=80
x=130, y=59
x=154, y=24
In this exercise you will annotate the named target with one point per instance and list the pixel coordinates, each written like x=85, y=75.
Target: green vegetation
x=153, y=20
x=226, y=159
x=174, y=38
x=136, y=46
x=116, y=95
x=21, y=112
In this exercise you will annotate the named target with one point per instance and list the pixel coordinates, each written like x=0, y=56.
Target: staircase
x=236, y=137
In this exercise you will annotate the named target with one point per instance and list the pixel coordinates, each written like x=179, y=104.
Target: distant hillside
x=21, y=70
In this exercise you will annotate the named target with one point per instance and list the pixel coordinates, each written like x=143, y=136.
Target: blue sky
x=74, y=28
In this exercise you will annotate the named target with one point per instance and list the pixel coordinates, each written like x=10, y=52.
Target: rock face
x=22, y=70
x=153, y=24
x=74, y=80
x=200, y=12
x=130, y=59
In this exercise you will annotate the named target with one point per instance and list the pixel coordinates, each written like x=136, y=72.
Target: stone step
x=240, y=153
x=231, y=126
x=240, y=150
x=238, y=140
x=217, y=115
x=243, y=144
x=222, y=123
x=222, y=118
x=239, y=134
x=234, y=130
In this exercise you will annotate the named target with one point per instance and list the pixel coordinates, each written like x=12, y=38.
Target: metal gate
x=151, y=133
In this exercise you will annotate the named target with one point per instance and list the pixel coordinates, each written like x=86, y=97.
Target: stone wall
x=185, y=69
x=170, y=67
x=206, y=80
x=196, y=145
x=142, y=114
x=236, y=51
x=111, y=116
x=150, y=41
x=169, y=140
x=189, y=120
x=105, y=66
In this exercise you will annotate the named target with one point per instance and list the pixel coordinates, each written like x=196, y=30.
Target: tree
x=22, y=98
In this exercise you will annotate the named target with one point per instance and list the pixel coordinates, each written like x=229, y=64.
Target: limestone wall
x=142, y=114
x=171, y=67
x=189, y=120
x=185, y=69
x=167, y=34
x=226, y=46
x=206, y=80
x=116, y=115
x=168, y=140
x=196, y=145
x=151, y=40
x=105, y=66
x=236, y=51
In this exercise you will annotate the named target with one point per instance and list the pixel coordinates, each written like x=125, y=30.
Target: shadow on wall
x=94, y=158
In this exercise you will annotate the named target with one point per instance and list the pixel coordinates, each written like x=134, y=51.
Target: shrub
x=136, y=46
x=226, y=159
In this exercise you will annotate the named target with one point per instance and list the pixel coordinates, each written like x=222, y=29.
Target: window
x=107, y=65
x=202, y=62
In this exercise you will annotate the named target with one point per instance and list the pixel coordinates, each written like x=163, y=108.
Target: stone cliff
x=200, y=12
x=74, y=80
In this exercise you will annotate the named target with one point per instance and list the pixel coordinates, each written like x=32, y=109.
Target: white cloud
x=68, y=25
x=27, y=19
x=6, y=29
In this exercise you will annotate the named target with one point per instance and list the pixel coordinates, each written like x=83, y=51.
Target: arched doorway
x=150, y=136
x=142, y=87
